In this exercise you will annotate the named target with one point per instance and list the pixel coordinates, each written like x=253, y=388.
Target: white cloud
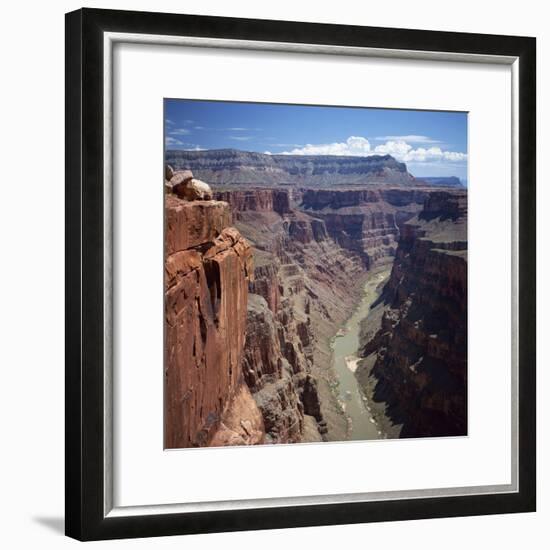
x=413, y=138
x=237, y=129
x=361, y=147
x=433, y=153
x=397, y=149
x=354, y=145
x=240, y=138
x=180, y=132
x=172, y=141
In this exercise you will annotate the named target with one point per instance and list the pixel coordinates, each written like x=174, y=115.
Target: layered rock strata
x=415, y=346
x=309, y=271
x=365, y=221
x=230, y=166
x=208, y=266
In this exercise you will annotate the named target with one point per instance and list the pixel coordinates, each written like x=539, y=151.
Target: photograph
x=315, y=273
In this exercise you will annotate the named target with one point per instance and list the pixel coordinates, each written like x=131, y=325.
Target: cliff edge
x=208, y=266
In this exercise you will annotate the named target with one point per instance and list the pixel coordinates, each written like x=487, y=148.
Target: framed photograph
x=300, y=274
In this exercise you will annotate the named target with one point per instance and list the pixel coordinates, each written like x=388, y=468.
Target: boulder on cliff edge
x=186, y=187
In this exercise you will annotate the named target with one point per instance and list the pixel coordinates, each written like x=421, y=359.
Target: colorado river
x=345, y=348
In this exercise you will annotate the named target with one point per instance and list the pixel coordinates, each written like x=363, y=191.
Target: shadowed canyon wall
x=415, y=350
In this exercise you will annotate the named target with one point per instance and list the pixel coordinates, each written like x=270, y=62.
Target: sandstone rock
x=168, y=172
x=256, y=200
x=190, y=224
x=241, y=423
x=190, y=189
x=179, y=176
x=207, y=270
x=365, y=221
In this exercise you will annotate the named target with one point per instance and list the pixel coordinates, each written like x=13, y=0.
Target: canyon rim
x=315, y=274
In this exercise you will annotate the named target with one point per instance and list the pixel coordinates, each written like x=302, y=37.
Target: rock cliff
x=208, y=266
x=231, y=166
x=414, y=369
x=365, y=221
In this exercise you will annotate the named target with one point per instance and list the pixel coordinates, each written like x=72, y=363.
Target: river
x=345, y=346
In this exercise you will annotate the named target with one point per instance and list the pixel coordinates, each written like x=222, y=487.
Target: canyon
x=414, y=345
x=260, y=280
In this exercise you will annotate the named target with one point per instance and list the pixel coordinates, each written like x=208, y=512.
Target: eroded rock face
x=189, y=226
x=304, y=285
x=230, y=166
x=365, y=221
x=256, y=200
x=248, y=347
x=419, y=353
x=208, y=266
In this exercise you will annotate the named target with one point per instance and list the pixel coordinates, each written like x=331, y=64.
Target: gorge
x=302, y=312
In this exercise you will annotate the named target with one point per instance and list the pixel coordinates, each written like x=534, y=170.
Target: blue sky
x=431, y=143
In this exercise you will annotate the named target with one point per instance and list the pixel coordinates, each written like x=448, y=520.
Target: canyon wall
x=231, y=166
x=282, y=363
x=365, y=221
x=208, y=266
x=312, y=256
x=414, y=370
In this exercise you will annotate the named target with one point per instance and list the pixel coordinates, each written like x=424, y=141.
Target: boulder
x=180, y=176
x=192, y=189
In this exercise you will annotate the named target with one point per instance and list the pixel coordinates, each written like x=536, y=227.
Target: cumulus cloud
x=412, y=138
x=398, y=148
x=354, y=145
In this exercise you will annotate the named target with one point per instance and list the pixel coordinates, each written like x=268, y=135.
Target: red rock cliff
x=256, y=200
x=208, y=266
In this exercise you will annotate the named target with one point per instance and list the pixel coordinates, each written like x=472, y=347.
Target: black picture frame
x=84, y=493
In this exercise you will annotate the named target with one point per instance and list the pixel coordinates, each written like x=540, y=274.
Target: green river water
x=345, y=349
